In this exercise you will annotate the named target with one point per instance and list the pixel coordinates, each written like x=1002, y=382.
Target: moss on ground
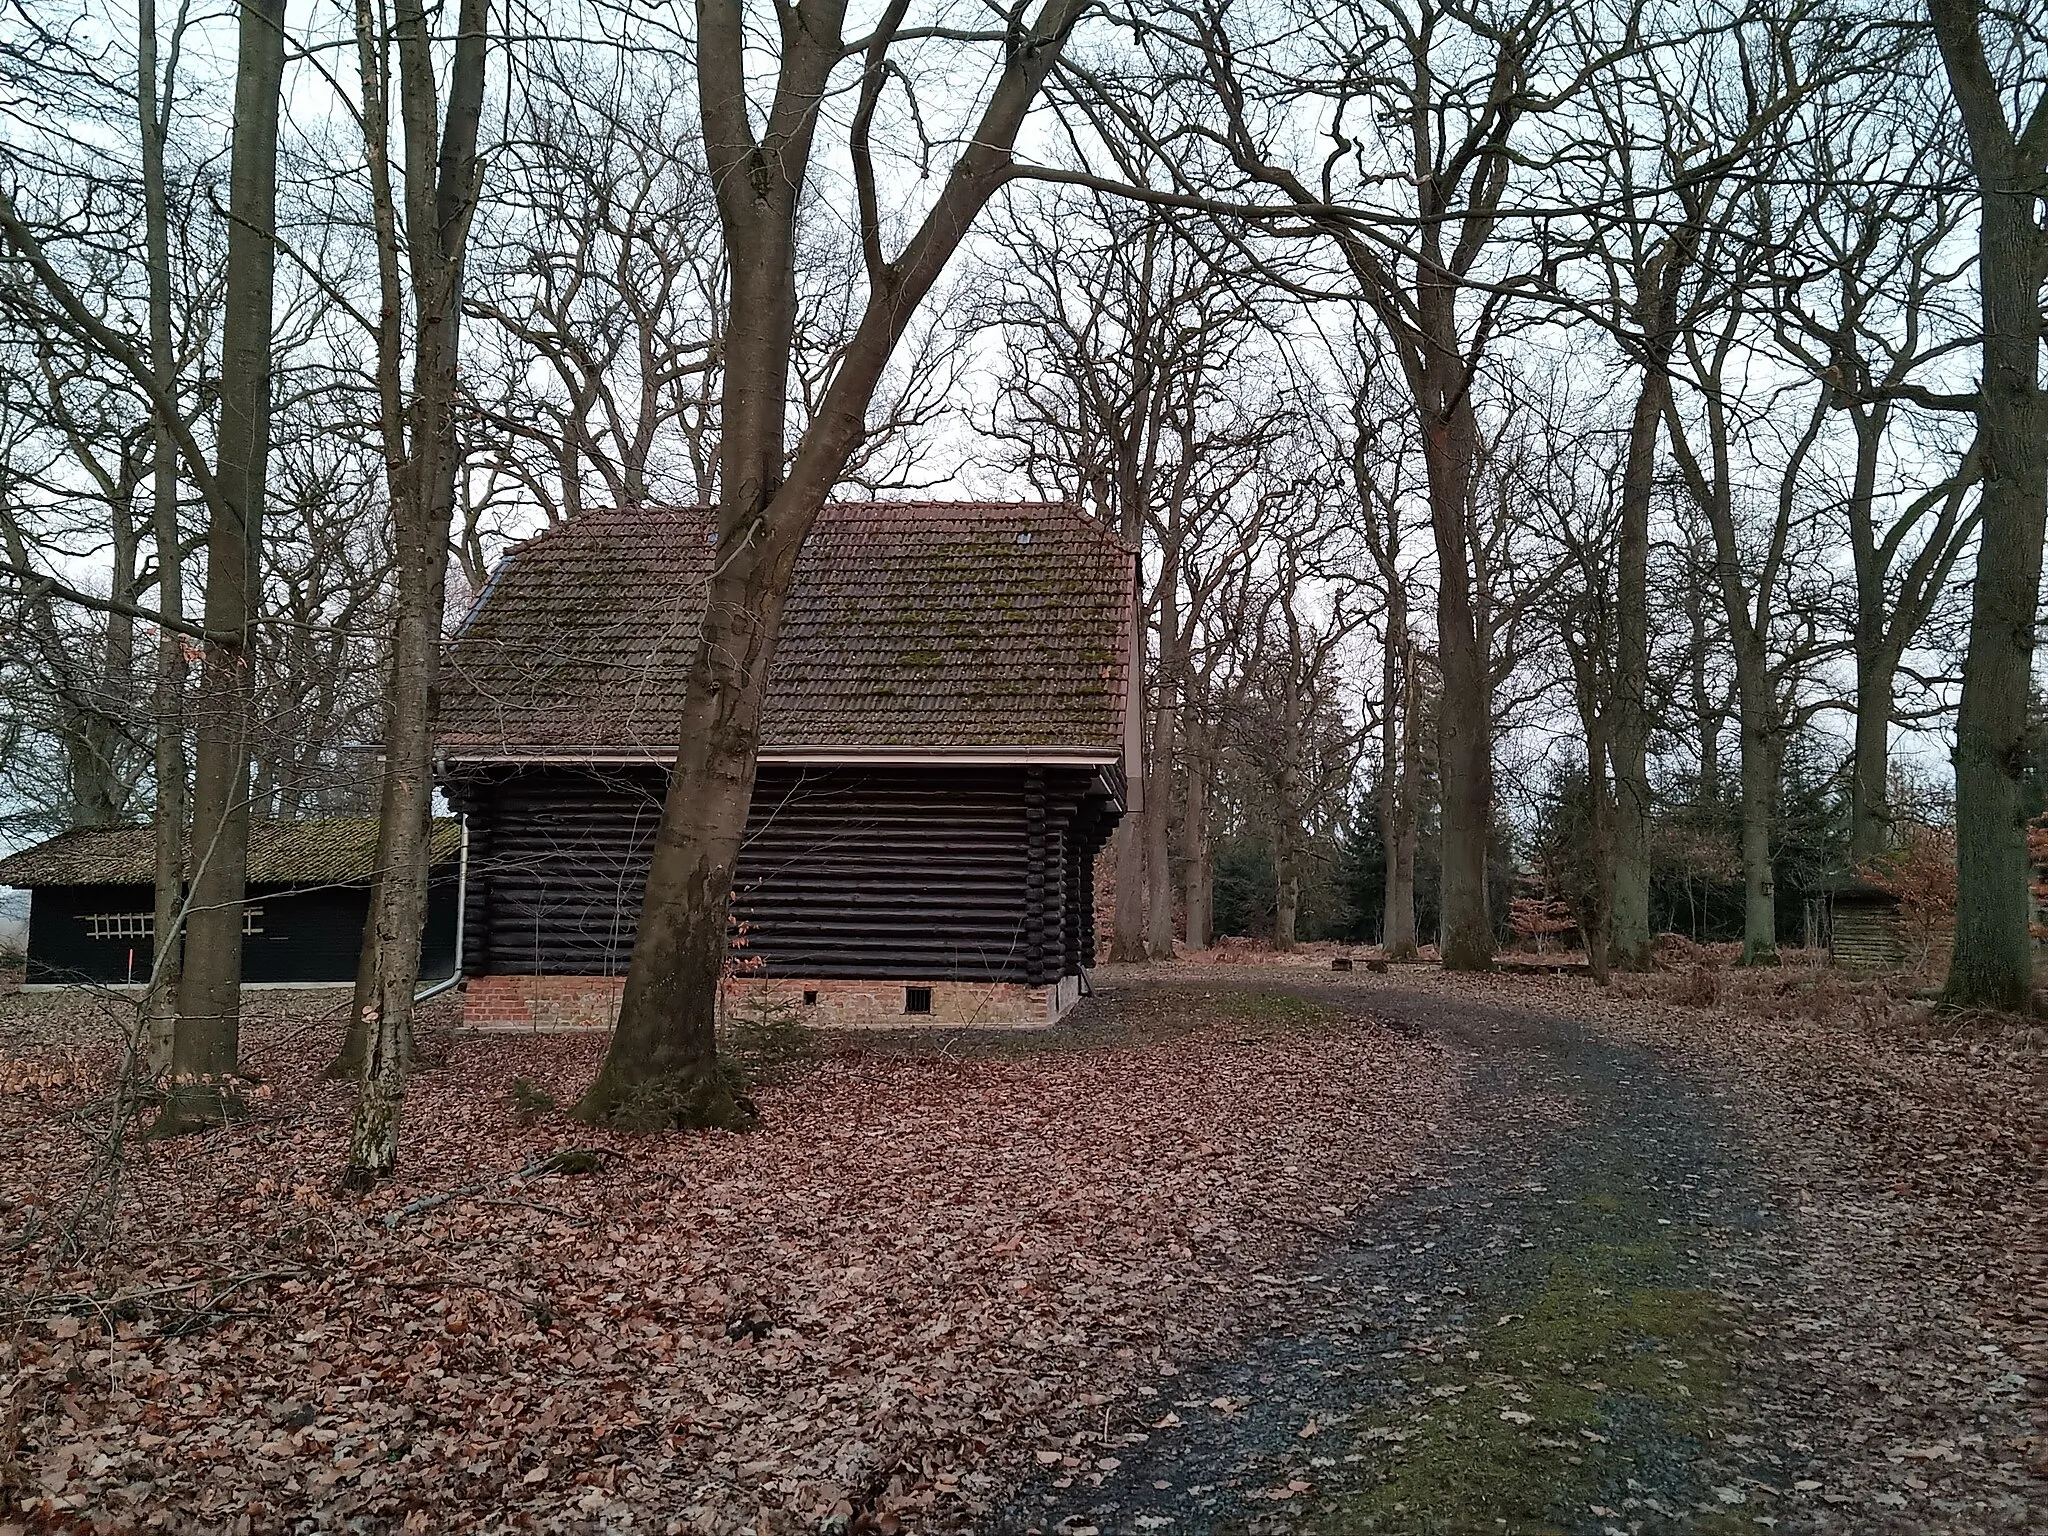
x=1603, y=1354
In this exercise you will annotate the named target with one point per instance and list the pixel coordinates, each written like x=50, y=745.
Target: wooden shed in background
x=92, y=904
x=1865, y=935
x=948, y=739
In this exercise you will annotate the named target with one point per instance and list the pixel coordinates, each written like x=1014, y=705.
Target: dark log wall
x=954, y=874
x=307, y=934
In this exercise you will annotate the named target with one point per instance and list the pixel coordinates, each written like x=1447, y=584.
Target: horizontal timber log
x=942, y=873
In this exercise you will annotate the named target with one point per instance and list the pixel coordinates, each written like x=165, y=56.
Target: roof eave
x=978, y=756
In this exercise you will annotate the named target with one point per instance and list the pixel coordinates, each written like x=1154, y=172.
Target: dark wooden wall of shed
x=1863, y=935
x=952, y=874
x=309, y=933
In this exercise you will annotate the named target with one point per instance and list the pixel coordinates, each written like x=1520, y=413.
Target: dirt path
x=1572, y=1321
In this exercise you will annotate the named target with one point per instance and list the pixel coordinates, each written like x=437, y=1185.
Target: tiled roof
x=911, y=627
x=325, y=850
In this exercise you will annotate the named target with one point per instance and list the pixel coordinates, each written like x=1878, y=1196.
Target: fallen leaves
x=920, y=1276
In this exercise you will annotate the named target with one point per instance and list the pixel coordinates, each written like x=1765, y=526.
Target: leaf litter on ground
x=926, y=1271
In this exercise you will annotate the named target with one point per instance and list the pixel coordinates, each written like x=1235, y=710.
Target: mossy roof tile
x=324, y=850
x=930, y=625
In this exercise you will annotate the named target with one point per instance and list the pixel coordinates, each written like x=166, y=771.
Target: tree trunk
x=662, y=1068
x=1992, y=966
x=206, y=1051
x=347, y=1066
x=159, y=1009
x=1401, y=766
x=1600, y=828
x=1159, y=856
x=1759, y=794
x=100, y=781
x=1706, y=713
x=424, y=459
x=1159, y=797
x=1201, y=893
x=1465, y=709
x=1286, y=890
x=399, y=904
x=1465, y=753
x=1630, y=866
x=1870, y=814
x=1127, y=922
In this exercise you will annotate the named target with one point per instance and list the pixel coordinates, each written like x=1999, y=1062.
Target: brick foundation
x=546, y=1003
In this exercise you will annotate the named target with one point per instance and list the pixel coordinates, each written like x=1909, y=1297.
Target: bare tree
x=155, y=103
x=1991, y=80
x=598, y=259
x=1129, y=340
x=1677, y=139
x=205, y=1051
x=1291, y=727
x=662, y=1066
x=1865, y=309
x=440, y=183
x=1438, y=99
x=1383, y=479
x=1762, y=528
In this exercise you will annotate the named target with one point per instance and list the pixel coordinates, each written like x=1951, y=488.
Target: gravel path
x=1571, y=1321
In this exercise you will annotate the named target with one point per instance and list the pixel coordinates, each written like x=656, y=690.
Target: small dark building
x=946, y=743
x=92, y=902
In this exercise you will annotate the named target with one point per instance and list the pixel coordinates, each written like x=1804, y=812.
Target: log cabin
x=92, y=903
x=949, y=738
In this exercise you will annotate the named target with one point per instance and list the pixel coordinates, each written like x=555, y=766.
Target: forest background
x=1560, y=438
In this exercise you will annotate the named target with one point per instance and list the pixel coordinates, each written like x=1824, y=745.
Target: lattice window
x=120, y=925
x=142, y=925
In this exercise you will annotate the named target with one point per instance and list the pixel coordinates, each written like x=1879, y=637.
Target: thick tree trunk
x=1465, y=710
x=662, y=1068
x=1870, y=814
x=1401, y=765
x=1630, y=864
x=159, y=1009
x=206, y=1051
x=1600, y=826
x=1759, y=796
x=1286, y=891
x=1992, y=965
x=1201, y=892
x=1159, y=833
x=1465, y=755
x=1127, y=919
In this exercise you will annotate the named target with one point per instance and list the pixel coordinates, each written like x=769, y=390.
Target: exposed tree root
x=679, y=1101
x=191, y=1107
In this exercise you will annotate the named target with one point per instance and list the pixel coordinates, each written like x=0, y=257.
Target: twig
x=429, y=1202
x=535, y=1205
x=82, y=1302
x=539, y=1165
